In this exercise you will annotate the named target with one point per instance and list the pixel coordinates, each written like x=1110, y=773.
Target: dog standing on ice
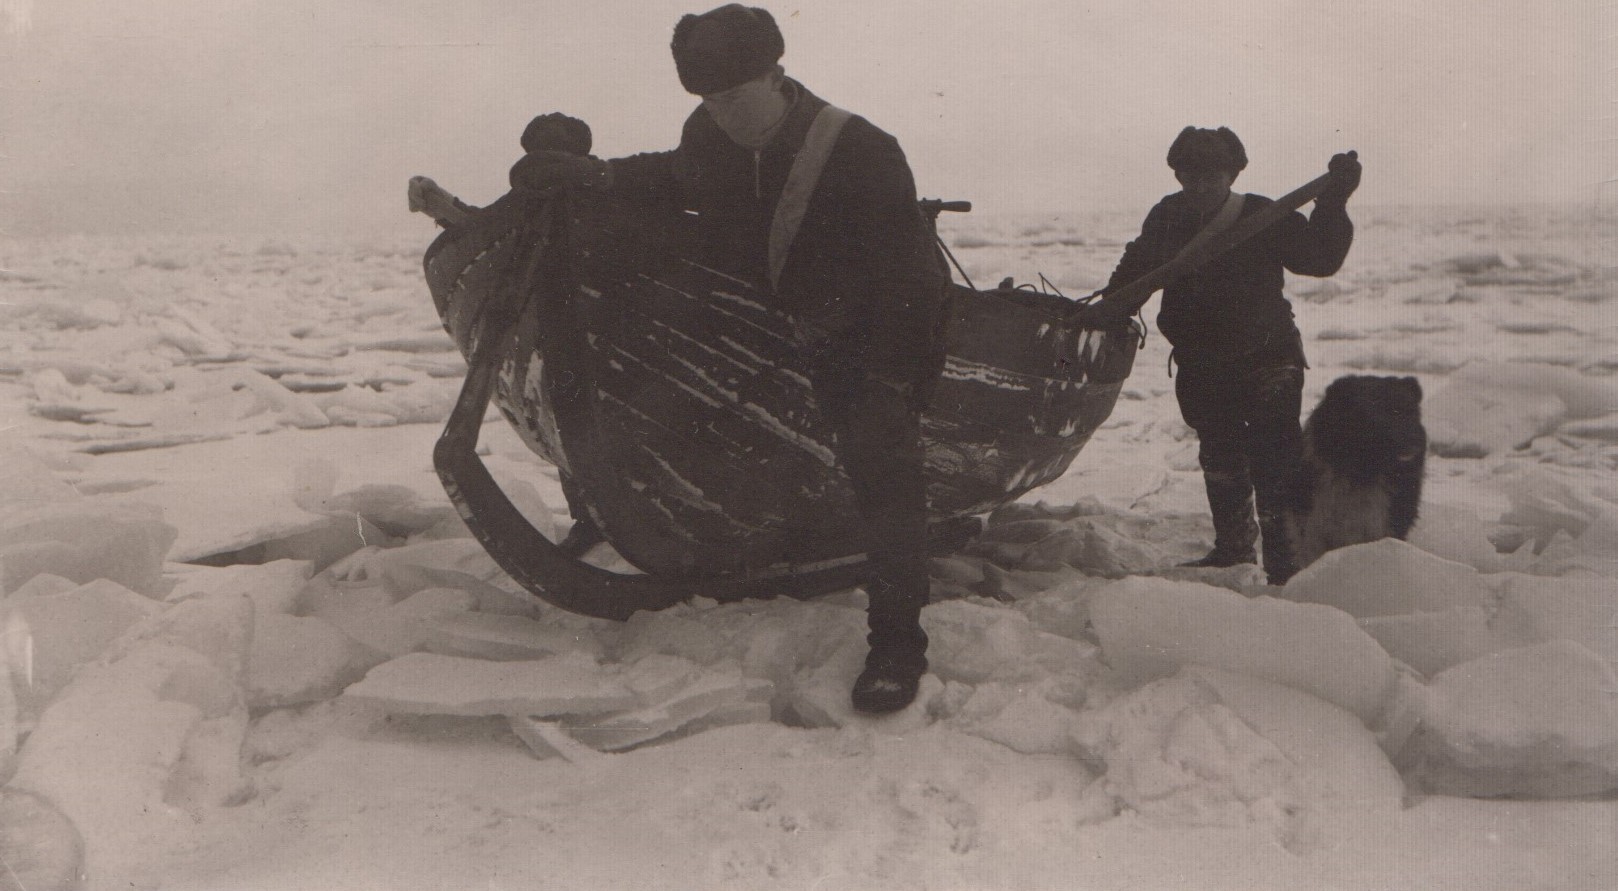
x=1364, y=453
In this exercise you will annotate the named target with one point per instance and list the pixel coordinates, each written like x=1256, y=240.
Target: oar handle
x=1122, y=303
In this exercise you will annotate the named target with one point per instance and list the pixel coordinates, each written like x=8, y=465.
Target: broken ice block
x=296, y=410
x=45, y=584
x=972, y=642
x=84, y=542
x=1422, y=290
x=1018, y=716
x=40, y=847
x=658, y=678
x=108, y=746
x=25, y=479
x=297, y=659
x=1476, y=422
x=325, y=542
x=208, y=773
x=218, y=628
x=1387, y=578
x=1457, y=534
x=397, y=510
x=611, y=733
x=429, y=684
x=1150, y=628
x=1539, y=720
x=1212, y=747
x=1535, y=608
x=546, y=739
x=747, y=711
x=51, y=387
x=669, y=632
x=1430, y=642
x=193, y=335
x=335, y=600
x=1550, y=501
x=1604, y=428
x=367, y=614
x=64, y=631
x=1174, y=752
x=1335, y=750
x=273, y=587
x=1584, y=396
x=1488, y=408
x=504, y=638
x=438, y=563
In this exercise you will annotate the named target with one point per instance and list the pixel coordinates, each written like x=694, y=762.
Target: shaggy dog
x=1364, y=451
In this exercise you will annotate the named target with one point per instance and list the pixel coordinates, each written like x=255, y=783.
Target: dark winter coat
x=1233, y=308
x=864, y=266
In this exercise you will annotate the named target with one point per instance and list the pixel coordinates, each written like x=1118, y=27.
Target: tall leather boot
x=1280, y=553
x=1277, y=453
x=1230, y=501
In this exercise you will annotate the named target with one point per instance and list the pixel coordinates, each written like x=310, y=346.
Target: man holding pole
x=1239, y=352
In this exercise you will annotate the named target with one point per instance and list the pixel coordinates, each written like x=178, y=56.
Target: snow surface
x=250, y=645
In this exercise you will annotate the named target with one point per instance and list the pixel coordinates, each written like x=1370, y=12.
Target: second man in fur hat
x=1240, y=356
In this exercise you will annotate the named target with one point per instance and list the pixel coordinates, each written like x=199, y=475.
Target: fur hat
x=739, y=44
x=1198, y=149
x=557, y=131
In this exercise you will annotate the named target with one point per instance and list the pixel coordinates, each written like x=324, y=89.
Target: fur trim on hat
x=557, y=132
x=741, y=43
x=1197, y=148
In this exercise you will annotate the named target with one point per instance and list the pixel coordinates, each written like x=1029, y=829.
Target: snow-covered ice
x=250, y=645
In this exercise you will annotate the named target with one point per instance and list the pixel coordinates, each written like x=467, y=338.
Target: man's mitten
x=1345, y=178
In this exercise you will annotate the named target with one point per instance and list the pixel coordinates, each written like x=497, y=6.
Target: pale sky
x=298, y=115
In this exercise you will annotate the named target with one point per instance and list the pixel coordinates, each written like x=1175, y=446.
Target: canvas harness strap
x=1224, y=219
x=800, y=185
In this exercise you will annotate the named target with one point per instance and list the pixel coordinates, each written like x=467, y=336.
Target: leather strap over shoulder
x=800, y=185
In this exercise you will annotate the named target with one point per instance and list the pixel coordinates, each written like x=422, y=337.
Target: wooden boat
x=671, y=398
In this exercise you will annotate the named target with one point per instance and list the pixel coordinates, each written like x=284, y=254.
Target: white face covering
x=750, y=112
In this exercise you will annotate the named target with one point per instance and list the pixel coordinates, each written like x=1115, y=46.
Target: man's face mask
x=746, y=112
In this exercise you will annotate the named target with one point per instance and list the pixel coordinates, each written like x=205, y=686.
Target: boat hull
x=673, y=400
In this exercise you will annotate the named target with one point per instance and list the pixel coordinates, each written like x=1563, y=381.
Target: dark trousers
x=1250, y=443
x=876, y=416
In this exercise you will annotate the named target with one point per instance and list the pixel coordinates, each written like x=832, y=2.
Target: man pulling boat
x=818, y=207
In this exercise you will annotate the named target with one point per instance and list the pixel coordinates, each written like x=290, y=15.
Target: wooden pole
x=1118, y=306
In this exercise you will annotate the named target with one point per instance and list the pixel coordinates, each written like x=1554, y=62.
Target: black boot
x=889, y=682
x=1220, y=559
x=893, y=670
x=1280, y=553
x=1230, y=501
x=898, y=656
